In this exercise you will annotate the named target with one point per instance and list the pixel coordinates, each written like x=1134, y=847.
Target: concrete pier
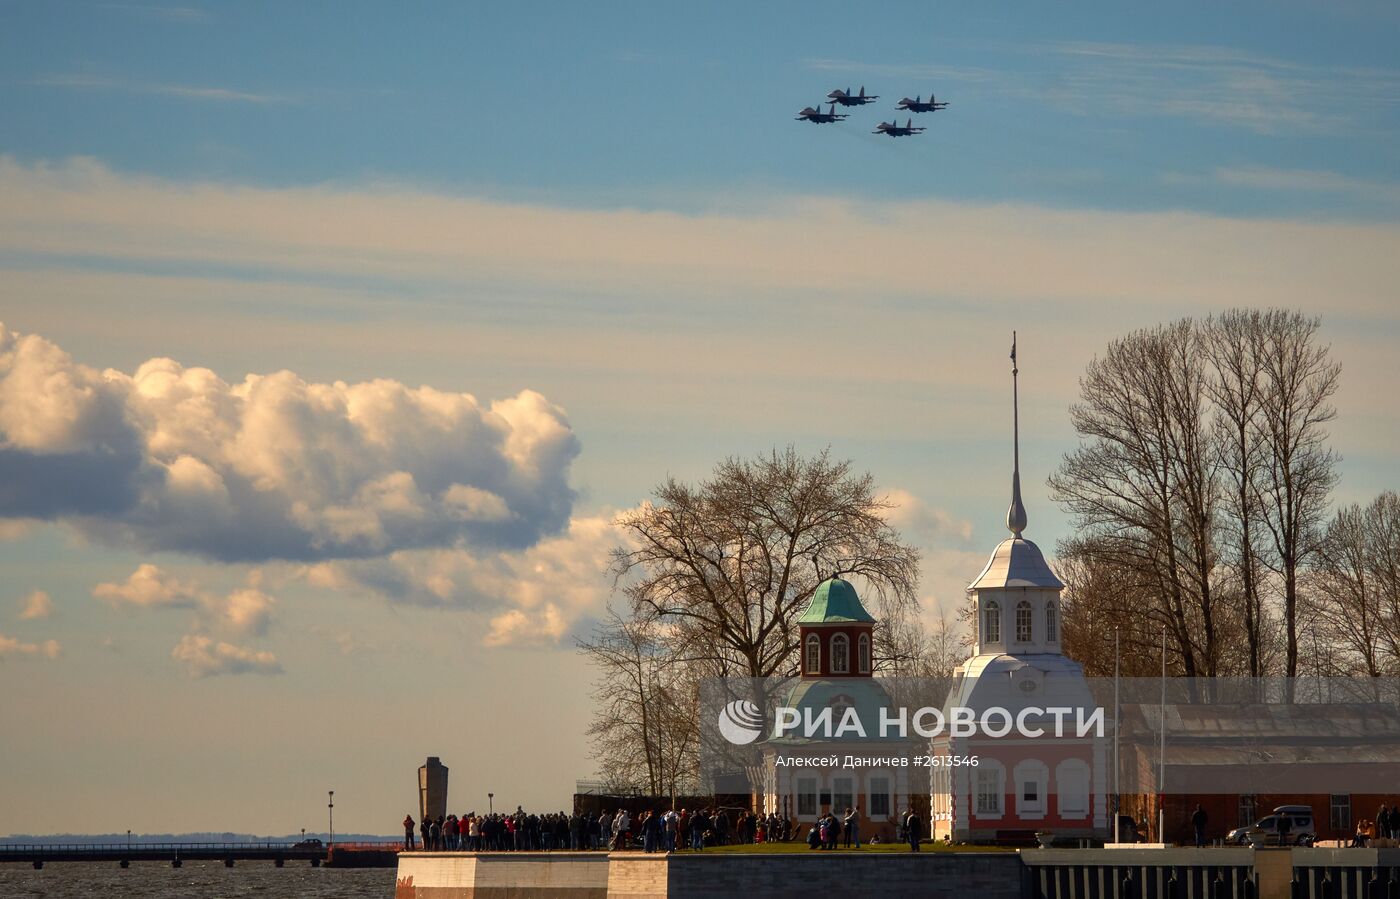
x=1218, y=873
x=498, y=875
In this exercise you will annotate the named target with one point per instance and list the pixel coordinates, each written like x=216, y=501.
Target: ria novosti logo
x=741, y=722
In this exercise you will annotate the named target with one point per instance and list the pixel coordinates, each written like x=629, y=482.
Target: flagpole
x=1117, y=766
x=1015, y=407
x=1162, y=751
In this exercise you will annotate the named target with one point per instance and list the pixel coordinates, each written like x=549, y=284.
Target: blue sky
x=560, y=252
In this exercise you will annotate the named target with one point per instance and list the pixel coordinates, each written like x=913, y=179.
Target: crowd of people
x=651, y=831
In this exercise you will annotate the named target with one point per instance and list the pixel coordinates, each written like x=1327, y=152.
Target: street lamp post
x=330, y=810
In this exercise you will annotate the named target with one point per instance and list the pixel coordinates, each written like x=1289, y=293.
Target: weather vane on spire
x=1016, y=515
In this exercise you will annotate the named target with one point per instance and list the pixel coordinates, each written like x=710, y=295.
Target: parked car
x=1264, y=832
x=311, y=843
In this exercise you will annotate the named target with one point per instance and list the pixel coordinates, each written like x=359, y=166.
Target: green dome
x=835, y=602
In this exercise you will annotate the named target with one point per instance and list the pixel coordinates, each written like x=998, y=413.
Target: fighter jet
x=821, y=118
x=893, y=129
x=916, y=105
x=846, y=98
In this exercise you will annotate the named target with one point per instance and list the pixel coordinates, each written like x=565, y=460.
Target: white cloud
x=113, y=84
x=1308, y=180
x=175, y=458
x=202, y=656
x=923, y=523
x=535, y=597
x=36, y=605
x=11, y=646
x=543, y=626
x=247, y=611
x=149, y=586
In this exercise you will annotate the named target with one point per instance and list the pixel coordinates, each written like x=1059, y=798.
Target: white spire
x=1016, y=514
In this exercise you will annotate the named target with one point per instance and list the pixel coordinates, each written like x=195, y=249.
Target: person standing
x=698, y=825
x=913, y=829
x=1198, y=823
x=408, y=833
x=621, y=824
x=852, y=827
x=671, y=823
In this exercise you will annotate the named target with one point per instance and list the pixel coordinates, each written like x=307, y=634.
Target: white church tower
x=1019, y=786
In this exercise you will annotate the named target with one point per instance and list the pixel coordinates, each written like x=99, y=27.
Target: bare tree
x=904, y=647
x=1383, y=537
x=1143, y=484
x=1298, y=470
x=1352, y=585
x=1233, y=342
x=644, y=731
x=731, y=563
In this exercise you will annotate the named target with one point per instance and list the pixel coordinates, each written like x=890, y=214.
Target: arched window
x=1029, y=781
x=991, y=623
x=814, y=654
x=840, y=654
x=1023, y=622
x=863, y=653
x=989, y=790
x=1072, y=789
x=1050, y=625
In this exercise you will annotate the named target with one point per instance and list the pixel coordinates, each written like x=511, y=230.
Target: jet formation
x=845, y=98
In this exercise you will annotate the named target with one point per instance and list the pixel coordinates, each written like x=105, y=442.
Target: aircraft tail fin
x=862, y=90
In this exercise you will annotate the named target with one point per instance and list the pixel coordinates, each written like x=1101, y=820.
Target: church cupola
x=837, y=633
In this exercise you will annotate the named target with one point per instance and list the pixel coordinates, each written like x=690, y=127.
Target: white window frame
x=1031, y=771
x=871, y=792
x=807, y=787
x=814, y=648
x=997, y=774
x=1052, y=626
x=863, y=653
x=1339, y=811
x=840, y=661
x=1076, y=770
x=1029, y=620
x=991, y=622
x=843, y=795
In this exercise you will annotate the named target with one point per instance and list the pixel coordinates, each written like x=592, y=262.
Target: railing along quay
x=37, y=854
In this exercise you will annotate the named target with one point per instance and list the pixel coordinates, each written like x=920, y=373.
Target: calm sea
x=196, y=880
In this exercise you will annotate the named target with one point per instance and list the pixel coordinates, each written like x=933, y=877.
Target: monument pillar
x=432, y=789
